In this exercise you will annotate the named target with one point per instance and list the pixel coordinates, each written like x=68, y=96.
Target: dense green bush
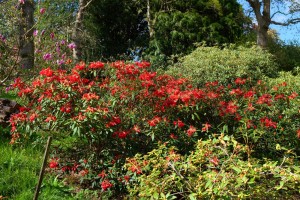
x=207, y=64
x=286, y=54
x=292, y=81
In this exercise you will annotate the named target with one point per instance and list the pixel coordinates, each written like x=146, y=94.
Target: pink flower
x=42, y=11
x=35, y=32
x=47, y=56
x=72, y=45
x=22, y=1
x=52, y=35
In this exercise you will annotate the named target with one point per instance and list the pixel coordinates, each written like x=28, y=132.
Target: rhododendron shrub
x=120, y=109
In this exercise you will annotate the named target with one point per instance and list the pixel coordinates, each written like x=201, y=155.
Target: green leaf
x=192, y=196
x=236, y=169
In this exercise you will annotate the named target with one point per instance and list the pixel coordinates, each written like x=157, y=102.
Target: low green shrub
x=291, y=80
x=218, y=168
x=207, y=64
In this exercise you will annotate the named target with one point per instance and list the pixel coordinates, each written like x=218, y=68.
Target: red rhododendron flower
x=90, y=96
x=147, y=76
x=173, y=136
x=265, y=99
x=237, y=91
x=32, y=117
x=279, y=96
x=122, y=134
x=206, y=126
x=136, y=129
x=126, y=178
x=53, y=163
x=96, y=65
x=249, y=94
x=80, y=67
x=240, y=81
x=50, y=118
x=178, y=123
x=215, y=161
x=249, y=124
x=102, y=174
x=191, y=131
x=14, y=138
x=115, y=121
x=18, y=83
x=212, y=95
x=46, y=72
x=106, y=184
x=250, y=107
x=65, y=168
x=80, y=117
x=293, y=95
x=36, y=83
x=231, y=108
x=74, y=78
x=143, y=64
x=83, y=172
x=154, y=121
x=268, y=122
x=67, y=108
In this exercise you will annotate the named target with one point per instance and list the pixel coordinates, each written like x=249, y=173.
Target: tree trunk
x=263, y=20
x=150, y=27
x=262, y=36
x=26, y=41
x=77, y=31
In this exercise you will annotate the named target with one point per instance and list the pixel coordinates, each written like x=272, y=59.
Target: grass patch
x=8, y=95
x=19, y=170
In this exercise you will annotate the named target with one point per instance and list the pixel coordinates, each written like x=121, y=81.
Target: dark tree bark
x=26, y=40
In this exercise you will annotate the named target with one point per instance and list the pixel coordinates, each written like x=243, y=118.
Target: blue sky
x=289, y=33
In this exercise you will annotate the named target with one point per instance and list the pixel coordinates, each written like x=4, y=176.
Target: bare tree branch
x=287, y=23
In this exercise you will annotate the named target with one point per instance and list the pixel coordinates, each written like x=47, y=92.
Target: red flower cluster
x=96, y=65
x=106, y=184
x=53, y=164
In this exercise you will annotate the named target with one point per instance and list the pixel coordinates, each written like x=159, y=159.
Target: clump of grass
x=18, y=170
x=8, y=95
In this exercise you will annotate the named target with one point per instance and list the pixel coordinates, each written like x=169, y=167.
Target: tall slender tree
x=77, y=30
x=26, y=40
